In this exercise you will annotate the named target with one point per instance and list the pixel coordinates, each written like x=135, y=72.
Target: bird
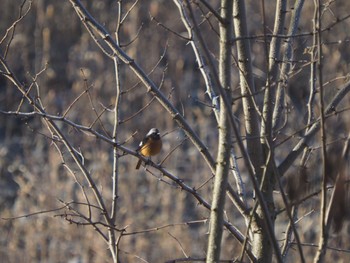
x=150, y=145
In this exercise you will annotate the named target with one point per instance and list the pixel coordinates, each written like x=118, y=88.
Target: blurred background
x=51, y=45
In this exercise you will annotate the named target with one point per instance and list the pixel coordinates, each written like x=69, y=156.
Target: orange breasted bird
x=150, y=145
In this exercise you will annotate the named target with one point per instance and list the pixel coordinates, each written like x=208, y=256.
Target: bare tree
x=252, y=83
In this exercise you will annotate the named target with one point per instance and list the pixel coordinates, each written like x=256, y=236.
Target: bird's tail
x=138, y=164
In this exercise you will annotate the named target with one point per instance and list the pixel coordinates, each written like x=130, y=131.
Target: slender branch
x=35, y=213
x=22, y=14
x=347, y=251
x=116, y=118
x=323, y=238
x=213, y=11
x=115, y=173
x=288, y=234
x=154, y=229
x=199, y=58
x=272, y=57
x=284, y=72
x=313, y=78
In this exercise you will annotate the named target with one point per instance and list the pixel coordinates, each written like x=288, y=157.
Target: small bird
x=150, y=145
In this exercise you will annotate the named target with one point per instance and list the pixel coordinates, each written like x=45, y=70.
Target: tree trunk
x=223, y=157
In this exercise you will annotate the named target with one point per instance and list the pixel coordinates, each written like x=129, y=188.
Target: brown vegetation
x=59, y=65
